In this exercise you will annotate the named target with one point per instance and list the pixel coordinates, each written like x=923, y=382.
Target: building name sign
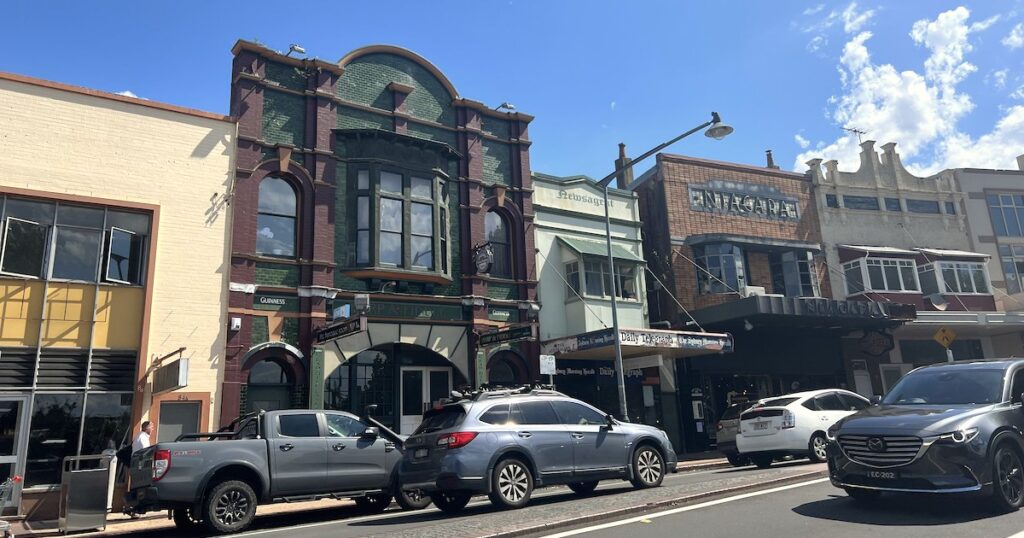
x=857, y=309
x=585, y=198
x=743, y=199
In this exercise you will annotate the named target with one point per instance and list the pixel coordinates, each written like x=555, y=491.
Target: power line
x=681, y=307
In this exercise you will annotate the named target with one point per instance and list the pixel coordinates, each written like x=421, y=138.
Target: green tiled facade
x=366, y=78
x=353, y=118
x=284, y=118
x=275, y=274
x=260, y=330
x=502, y=291
x=495, y=127
x=287, y=76
x=497, y=162
x=290, y=331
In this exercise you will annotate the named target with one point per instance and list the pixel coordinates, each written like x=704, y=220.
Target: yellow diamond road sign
x=944, y=336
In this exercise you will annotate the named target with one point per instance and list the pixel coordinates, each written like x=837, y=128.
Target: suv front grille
x=881, y=450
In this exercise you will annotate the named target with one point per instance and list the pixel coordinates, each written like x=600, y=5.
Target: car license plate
x=883, y=475
x=420, y=453
x=761, y=425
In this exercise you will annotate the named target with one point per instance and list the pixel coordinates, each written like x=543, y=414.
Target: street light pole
x=716, y=130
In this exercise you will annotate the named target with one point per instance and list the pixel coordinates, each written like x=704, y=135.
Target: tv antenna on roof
x=856, y=130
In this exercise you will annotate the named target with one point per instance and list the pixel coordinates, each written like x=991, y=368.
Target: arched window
x=497, y=235
x=268, y=372
x=501, y=374
x=275, y=221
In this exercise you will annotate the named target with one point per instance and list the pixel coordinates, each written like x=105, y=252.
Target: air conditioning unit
x=751, y=291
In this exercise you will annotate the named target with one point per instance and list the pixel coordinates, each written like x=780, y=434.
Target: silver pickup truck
x=217, y=479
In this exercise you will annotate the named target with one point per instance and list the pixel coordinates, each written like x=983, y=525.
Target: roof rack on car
x=486, y=392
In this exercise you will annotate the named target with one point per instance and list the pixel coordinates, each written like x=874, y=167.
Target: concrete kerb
x=633, y=510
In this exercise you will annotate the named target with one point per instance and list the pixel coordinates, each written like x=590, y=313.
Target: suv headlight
x=831, y=433
x=961, y=436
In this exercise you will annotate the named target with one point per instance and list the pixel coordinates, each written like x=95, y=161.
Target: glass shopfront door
x=12, y=441
x=422, y=388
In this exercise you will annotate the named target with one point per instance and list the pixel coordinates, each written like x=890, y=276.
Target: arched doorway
x=506, y=369
x=270, y=386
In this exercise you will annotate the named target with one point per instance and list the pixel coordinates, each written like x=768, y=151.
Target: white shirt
x=140, y=442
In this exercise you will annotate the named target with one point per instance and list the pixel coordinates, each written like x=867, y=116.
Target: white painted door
x=422, y=388
x=13, y=443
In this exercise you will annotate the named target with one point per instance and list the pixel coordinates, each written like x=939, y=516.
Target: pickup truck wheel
x=450, y=502
x=185, y=520
x=230, y=506
x=412, y=499
x=373, y=504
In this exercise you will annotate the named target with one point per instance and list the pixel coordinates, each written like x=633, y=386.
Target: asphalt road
x=817, y=509
x=549, y=505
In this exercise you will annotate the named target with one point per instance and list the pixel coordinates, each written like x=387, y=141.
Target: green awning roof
x=596, y=248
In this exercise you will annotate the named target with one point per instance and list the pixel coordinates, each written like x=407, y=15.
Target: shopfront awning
x=638, y=343
x=803, y=313
x=947, y=253
x=880, y=251
x=597, y=248
x=749, y=242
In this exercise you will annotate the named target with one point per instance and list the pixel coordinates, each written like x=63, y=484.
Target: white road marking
x=1018, y=535
x=562, y=490
x=690, y=508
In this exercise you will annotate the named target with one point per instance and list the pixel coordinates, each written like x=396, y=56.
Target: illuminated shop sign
x=743, y=199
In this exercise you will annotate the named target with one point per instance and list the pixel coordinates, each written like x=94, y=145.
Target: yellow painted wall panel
x=118, y=318
x=21, y=307
x=68, y=314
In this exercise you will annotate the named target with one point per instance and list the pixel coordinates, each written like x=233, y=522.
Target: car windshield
x=947, y=387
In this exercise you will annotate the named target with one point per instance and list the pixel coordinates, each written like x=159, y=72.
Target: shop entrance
x=422, y=388
x=13, y=419
x=270, y=387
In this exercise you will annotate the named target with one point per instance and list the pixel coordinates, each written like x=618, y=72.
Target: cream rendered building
x=114, y=263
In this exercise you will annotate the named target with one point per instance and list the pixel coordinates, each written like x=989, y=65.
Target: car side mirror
x=609, y=421
x=370, y=433
x=875, y=400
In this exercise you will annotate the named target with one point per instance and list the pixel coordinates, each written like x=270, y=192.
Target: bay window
x=597, y=278
x=955, y=277
x=720, y=268
x=794, y=273
x=881, y=274
x=401, y=220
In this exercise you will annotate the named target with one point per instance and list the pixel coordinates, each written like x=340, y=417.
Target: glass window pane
x=275, y=235
x=497, y=414
x=980, y=284
x=267, y=372
x=949, y=276
x=534, y=413
x=124, y=257
x=390, y=215
x=593, y=278
x=363, y=213
x=363, y=180
x=998, y=224
x=53, y=435
x=861, y=202
x=963, y=273
x=929, y=284
x=390, y=248
x=1004, y=250
x=892, y=204
x=24, y=248
x=575, y=414
x=126, y=220
x=496, y=229
x=363, y=246
x=343, y=426
x=875, y=277
x=422, y=219
x=853, y=279
x=1012, y=224
x=422, y=187
x=412, y=392
x=89, y=217
x=277, y=197
x=950, y=208
x=107, y=419
x=76, y=254
x=892, y=277
x=38, y=212
x=304, y=425
x=391, y=182
x=922, y=206
x=831, y=200
x=422, y=251
x=909, y=282
x=1018, y=250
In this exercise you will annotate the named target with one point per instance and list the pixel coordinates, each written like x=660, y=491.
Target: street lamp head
x=719, y=131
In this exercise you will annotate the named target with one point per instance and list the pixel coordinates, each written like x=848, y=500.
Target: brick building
x=739, y=247
x=372, y=180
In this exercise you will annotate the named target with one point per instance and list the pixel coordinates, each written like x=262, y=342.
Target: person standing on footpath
x=144, y=438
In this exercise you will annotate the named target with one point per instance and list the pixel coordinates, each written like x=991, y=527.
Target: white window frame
x=941, y=280
x=882, y=262
x=110, y=253
x=46, y=248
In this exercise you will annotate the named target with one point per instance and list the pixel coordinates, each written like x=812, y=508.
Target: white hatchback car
x=794, y=425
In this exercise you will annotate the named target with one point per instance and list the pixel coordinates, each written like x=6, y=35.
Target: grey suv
x=506, y=443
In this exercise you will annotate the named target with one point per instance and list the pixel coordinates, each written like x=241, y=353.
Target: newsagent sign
x=743, y=199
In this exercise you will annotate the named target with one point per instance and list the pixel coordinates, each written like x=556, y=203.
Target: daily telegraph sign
x=641, y=338
x=744, y=199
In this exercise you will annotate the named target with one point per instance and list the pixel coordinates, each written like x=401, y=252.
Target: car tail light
x=161, y=463
x=456, y=440
x=788, y=420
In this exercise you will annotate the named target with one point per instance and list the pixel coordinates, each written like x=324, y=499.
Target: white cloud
x=853, y=20
x=817, y=43
x=918, y=109
x=985, y=24
x=1015, y=39
x=998, y=78
x=814, y=9
x=1018, y=93
x=801, y=141
x=128, y=93
x=613, y=105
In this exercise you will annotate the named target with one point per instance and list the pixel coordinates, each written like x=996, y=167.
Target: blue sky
x=942, y=79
